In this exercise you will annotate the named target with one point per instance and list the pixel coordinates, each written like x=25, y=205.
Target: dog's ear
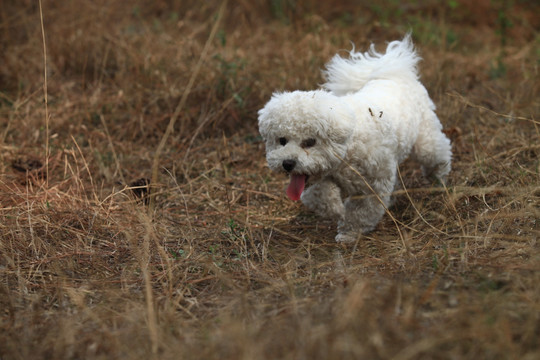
x=268, y=114
x=262, y=120
x=341, y=129
x=338, y=119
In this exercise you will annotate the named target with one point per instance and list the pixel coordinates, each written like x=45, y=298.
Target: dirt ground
x=138, y=217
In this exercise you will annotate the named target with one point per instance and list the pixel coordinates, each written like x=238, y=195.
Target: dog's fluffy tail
x=345, y=76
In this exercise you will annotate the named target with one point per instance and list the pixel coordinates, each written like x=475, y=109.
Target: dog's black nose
x=288, y=165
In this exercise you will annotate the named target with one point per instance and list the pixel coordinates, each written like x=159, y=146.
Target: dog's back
x=346, y=76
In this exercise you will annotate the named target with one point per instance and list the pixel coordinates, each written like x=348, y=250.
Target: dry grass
x=224, y=266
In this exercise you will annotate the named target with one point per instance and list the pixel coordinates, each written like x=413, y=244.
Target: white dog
x=342, y=145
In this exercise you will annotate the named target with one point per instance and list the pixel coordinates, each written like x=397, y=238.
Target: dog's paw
x=346, y=237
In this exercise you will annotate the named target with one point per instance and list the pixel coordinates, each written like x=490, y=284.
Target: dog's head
x=306, y=135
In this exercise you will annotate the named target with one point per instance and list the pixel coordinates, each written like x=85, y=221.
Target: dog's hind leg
x=324, y=198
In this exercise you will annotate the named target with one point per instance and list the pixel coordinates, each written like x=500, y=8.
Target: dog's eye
x=307, y=143
x=282, y=141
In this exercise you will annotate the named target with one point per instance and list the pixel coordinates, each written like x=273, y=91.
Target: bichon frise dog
x=342, y=145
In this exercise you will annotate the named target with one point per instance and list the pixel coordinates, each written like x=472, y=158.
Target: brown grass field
x=138, y=218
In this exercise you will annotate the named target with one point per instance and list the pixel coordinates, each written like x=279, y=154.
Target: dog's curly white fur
x=347, y=139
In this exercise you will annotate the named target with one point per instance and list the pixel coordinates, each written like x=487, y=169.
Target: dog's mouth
x=296, y=186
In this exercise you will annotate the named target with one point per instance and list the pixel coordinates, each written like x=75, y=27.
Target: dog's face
x=306, y=135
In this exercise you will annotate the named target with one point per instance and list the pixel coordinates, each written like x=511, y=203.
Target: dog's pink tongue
x=296, y=186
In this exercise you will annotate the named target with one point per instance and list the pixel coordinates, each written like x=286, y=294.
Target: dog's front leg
x=363, y=213
x=361, y=216
x=324, y=198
